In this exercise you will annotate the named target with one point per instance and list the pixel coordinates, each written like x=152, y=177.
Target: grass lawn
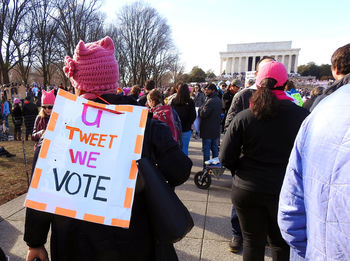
x=13, y=177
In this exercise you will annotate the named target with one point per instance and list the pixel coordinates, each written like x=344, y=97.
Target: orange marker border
x=36, y=178
x=35, y=205
x=128, y=197
x=133, y=170
x=138, y=144
x=143, y=119
x=120, y=223
x=66, y=212
x=125, y=108
x=94, y=218
x=67, y=95
x=53, y=120
x=44, y=148
x=96, y=104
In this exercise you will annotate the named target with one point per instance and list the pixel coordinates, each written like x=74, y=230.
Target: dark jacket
x=257, y=151
x=226, y=100
x=199, y=99
x=187, y=114
x=240, y=102
x=335, y=86
x=73, y=239
x=17, y=117
x=308, y=103
x=210, y=117
x=143, y=99
x=30, y=111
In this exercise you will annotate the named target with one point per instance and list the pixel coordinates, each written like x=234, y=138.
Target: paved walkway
x=210, y=209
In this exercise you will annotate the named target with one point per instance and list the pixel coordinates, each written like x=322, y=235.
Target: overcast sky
x=203, y=28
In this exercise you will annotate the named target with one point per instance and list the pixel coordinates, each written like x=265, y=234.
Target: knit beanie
x=16, y=101
x=48, y=97
x=94, y=68
x=274, y=70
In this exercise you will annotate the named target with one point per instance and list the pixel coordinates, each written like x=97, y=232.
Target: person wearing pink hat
x=93, y=72
x=256, y=148
x=17, y=118
x=41, y=121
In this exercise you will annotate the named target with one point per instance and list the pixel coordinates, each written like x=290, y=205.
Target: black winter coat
x=30, y=111
x=210, y=118
x=335, y=86
x=226, y=100
x=17, y=117
x=73, y=239
x=240, y=102
x=257, y=151
x=187, y=114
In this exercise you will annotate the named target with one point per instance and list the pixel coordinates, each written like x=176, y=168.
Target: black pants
x=257, y=214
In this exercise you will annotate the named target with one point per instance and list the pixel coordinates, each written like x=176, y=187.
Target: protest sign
x=86, y=167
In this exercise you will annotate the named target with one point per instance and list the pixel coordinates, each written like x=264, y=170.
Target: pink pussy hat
x=16, y=101
x=274, y=70
x=93, y=68
x=48, y=97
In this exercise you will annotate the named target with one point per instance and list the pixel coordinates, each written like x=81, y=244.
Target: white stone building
x=244, y=57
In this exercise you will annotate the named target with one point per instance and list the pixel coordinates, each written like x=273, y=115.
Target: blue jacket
x=314, y=207
x=6, y=109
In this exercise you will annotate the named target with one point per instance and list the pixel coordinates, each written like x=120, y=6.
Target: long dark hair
x=264, y=102
x=182, y=95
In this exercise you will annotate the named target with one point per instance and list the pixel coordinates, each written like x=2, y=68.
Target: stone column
x=239, y=64
x=233, y=65
x=296, y=63
x=227, y=65
x=247, y=63
x=253, y=63
x=289, y=64
x=220, y=65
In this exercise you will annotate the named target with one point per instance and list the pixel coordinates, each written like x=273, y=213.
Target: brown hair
x=182, y=95
x=155, y=96
x=316, y=91
x=289, y=85
x=264, y=102
x=135, y=90
x=341, y=59
x=150, y=85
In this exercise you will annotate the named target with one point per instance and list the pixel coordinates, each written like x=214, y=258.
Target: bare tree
x=77, y=20
x=144, y=41
x=44, y=30
x=24, y=40
x=12, y=13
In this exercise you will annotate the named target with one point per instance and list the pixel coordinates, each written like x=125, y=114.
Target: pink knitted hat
x=48, y=97
x=274, y=70
x=94, y=68
x=16, y=101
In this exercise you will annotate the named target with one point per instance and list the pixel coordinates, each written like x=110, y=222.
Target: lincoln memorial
x=244, y=57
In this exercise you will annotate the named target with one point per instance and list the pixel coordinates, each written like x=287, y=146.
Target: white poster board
x=86, y=167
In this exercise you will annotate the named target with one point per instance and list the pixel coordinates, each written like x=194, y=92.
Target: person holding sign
x=94, y=74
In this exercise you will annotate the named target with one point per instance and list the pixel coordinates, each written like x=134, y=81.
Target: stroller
x=213, y=167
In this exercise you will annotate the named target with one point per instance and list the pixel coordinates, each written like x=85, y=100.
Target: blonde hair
x=155, y=96
x=42, y=113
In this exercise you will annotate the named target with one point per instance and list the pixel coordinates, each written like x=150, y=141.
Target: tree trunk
x=5, y=75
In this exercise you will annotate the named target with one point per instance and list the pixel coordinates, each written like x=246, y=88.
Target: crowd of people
x=287, y=150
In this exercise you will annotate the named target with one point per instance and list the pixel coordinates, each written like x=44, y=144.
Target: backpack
x=169, y=116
